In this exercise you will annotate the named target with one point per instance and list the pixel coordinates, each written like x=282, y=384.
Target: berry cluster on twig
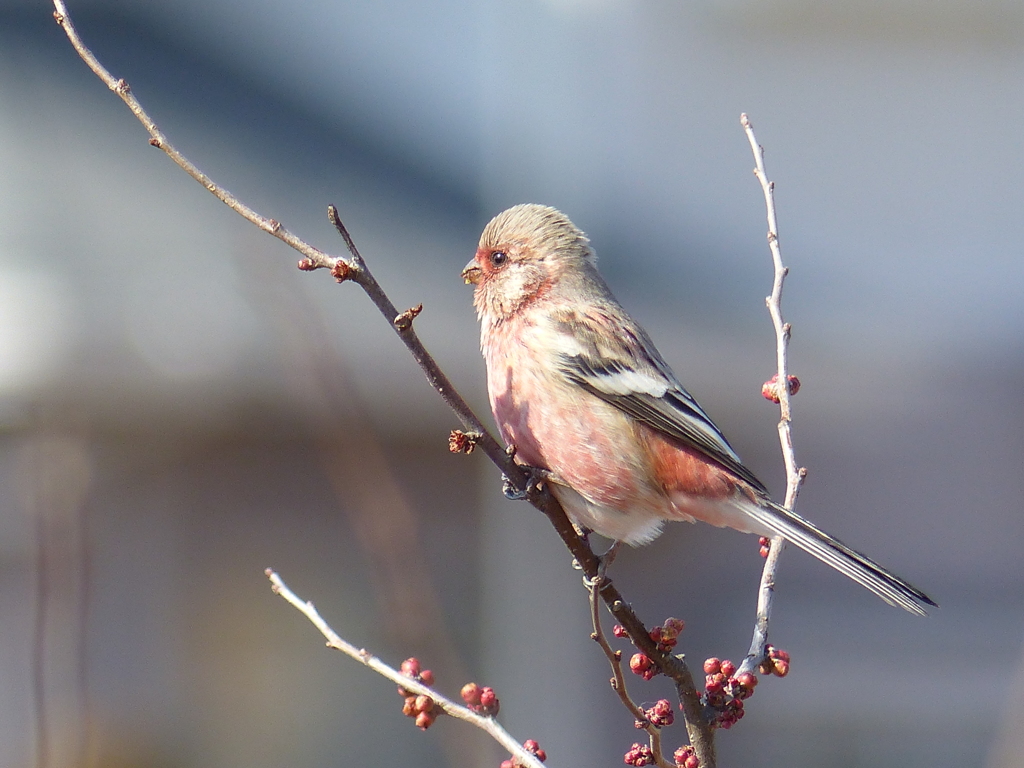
x=479, y=699
x=770, y=389
x=660, y=715
x=685, y=757
x=419, y=706
x=776, y=662
x=666, y=637
x=483, y=701
x=531, y=746
x=725, y=691
x=639, y=755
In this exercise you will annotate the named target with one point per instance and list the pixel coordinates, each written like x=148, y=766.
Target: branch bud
x=770, y=389
x=462, y=442
x=404, y=320
x=341, y=271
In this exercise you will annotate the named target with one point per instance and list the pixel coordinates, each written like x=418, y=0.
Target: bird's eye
x=498, y=258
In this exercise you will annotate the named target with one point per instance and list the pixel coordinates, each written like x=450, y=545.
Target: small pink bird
x=577, y=386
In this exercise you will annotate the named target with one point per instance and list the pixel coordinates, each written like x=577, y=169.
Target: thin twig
x=698, y=726
x=488, y=724
x=159, y=140
x=618, y=681
x=794, y=473
x=354, y=270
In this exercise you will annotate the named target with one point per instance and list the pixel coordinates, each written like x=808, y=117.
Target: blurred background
x=180, y=408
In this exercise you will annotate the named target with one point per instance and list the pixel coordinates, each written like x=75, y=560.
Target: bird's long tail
x=847, y=561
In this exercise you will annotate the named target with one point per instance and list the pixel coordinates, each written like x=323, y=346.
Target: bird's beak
x=471, y=274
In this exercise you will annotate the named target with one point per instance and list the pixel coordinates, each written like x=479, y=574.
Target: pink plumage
x=577, y=386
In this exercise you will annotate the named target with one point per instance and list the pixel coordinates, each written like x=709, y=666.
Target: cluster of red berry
x=660, y=715
x=483, y=701
x=776, y=663
x=765, y=544
x=421, y=707
x=725, y=693
x=640, y=664
x=641, y=755
x=666, y=636
x=530, y=746
x=686, y=757
x=770, y=389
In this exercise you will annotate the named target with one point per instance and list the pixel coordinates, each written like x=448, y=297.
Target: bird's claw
x=535, y=478
x=511, y=492
x=592, y=583
x=603, y=561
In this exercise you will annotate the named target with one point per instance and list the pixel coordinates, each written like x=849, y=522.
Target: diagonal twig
x=485, y=723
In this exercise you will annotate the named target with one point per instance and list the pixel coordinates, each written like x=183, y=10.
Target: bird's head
x=524, y=253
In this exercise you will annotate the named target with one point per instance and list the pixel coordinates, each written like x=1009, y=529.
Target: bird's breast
x=553, y=423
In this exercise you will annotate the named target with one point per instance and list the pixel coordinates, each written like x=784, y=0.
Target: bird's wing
x=631, y=375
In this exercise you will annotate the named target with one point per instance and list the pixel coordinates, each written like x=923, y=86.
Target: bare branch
x=488, y=724
x=122, y=89
x=794, y=474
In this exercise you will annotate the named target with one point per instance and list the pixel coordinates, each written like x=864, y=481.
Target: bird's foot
x=534, y=481
x=605, y=560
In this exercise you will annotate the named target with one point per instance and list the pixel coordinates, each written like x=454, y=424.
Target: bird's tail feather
x=847, y=561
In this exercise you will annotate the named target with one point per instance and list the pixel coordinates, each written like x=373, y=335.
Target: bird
x=579, y=391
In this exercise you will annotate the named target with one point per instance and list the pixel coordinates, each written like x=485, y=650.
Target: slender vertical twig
x=618, y=680
x=794, y=473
